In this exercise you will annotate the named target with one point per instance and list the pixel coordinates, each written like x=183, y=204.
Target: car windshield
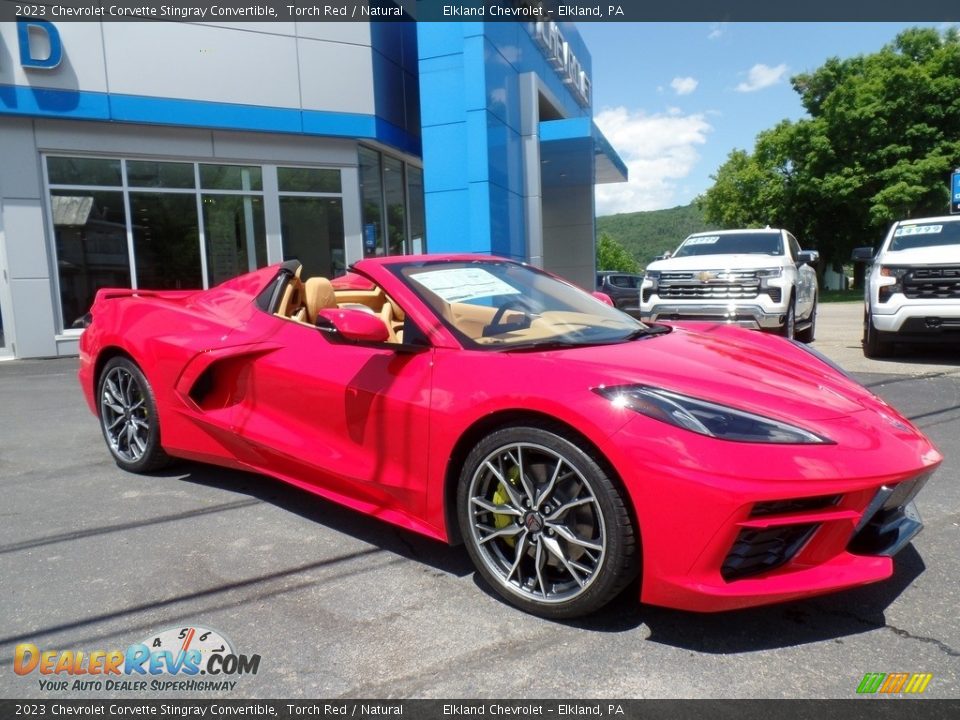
x=753, y=243
x=907, y=237
x=493, y=304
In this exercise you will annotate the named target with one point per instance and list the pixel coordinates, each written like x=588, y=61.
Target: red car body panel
x=376, y=428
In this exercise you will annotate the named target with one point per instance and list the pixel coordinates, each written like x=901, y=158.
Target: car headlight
x=707, y=418
x=770, y=272
x=653, y=275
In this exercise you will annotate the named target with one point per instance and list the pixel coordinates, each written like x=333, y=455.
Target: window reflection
x=393, y=188
x=312, y=230
x=234, y=233
x=166, y=241
x=371, y=199
x=90, y=233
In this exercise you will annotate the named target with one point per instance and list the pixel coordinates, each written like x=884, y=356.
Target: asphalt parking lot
x=337, y=604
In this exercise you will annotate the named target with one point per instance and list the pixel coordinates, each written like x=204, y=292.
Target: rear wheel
x=544, y=524
x=874, y=344
x=128, y=417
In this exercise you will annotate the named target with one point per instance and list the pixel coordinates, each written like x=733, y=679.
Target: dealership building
x=178, y=155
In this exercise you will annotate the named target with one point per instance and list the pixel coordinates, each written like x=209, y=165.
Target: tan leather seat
x=319, y=296
x=386, y=314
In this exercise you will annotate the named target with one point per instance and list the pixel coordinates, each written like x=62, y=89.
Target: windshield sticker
x=917, y=230
x=708, y=240
x=463, y=284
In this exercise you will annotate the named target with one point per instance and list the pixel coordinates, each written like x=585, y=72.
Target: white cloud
x=660, y=150
x=717, y=30
x=762, y=76
x=684, y=85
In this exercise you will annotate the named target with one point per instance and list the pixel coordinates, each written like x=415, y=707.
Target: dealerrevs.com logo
x=172, y=660
x=894, y=683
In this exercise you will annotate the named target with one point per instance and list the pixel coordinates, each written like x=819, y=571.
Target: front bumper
x=724, y=526
x=920, y=319
x=754, y=317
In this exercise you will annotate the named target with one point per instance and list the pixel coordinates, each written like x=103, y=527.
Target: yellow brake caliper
x=502, y=497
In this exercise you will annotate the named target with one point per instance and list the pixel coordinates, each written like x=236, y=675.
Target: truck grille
x=709, y=284
x=932, y=283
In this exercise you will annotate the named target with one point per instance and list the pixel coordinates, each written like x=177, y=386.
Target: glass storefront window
x=231, y=177
x=312, y=231
x=166, y=237
x=234, y=232
x=418, y=220
x=147, y=173
x=394, y=196
x=313, y=180
x=83, y=171
x=90, y=233
x=391, y=196
x=371, y=201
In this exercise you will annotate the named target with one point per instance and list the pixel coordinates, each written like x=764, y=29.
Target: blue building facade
x=179, y=154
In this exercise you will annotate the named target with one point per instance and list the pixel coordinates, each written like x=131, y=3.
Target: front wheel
x=874, y=344
x=809, y=333
x=789, y=329
x=128, y=417
x=544, y=524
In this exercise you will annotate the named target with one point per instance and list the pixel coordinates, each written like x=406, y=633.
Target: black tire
x=126, y=401
x=875, y=346
x=809, y=333
x=562, y=548
x=789, y=329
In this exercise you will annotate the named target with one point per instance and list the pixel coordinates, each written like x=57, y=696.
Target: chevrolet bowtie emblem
x=706, y=276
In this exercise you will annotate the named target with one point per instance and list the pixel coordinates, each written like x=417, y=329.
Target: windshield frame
x=557, y=342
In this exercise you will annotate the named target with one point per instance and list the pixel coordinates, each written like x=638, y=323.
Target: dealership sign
x=30, y=36
x=558, y=53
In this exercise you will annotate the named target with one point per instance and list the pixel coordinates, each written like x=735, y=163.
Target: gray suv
x=623, y=288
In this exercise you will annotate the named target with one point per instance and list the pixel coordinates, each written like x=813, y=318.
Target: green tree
x=880, y=139
x=611, y=255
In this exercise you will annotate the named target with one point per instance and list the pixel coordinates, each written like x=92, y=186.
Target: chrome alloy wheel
x=536, y=523
x=124, y=415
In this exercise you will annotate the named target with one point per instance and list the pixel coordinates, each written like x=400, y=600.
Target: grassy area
x=830, y=296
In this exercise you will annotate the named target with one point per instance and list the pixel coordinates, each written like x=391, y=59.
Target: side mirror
x=665, y=256
x=862, y=254
x=603, y=297
x=808, y=257
x=353, y=325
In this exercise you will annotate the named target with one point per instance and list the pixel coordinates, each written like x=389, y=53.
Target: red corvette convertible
x=483, y=401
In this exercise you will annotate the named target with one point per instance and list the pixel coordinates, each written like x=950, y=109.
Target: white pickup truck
x=913, y=286
x=759, y=279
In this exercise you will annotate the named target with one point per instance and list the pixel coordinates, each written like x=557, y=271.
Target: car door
x=349, y=420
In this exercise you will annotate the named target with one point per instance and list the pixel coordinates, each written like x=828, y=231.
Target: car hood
x=740, y=368
x=939, y=255
x=717, y=262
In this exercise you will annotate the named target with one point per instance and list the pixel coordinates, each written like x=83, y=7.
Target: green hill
x=648, y=234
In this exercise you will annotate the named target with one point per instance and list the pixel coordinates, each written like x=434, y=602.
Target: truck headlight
x=770, y=272
x=891, y=278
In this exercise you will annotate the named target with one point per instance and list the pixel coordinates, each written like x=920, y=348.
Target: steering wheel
x=498, y=327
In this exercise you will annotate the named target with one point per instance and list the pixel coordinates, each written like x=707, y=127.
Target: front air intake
x=760, y=550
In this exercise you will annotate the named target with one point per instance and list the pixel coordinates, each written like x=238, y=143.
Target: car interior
x=301, y=301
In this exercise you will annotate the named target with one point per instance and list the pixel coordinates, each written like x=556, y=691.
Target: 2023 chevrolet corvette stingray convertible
x=567, y=445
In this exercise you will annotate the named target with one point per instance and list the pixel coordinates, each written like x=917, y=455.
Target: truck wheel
x=789, y=329
x=874, y=344
x=808, y=334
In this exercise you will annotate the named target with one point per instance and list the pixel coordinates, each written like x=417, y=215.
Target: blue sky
x=676, y=98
